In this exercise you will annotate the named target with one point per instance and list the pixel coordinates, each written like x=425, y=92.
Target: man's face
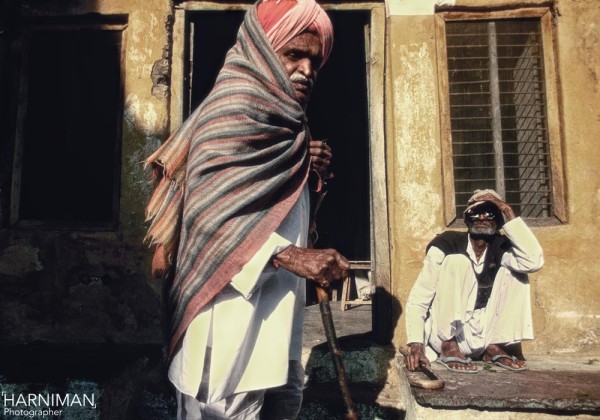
x=301, y=58
x=481, y=222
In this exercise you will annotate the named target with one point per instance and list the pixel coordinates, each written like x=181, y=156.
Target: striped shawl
x=229, y=175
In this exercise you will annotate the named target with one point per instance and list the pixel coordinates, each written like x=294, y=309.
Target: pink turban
x=282, y=20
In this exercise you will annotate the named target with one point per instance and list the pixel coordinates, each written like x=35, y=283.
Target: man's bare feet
x=450, y=349
x=495, y=351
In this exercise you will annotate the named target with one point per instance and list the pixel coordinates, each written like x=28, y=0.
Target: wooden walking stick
x=336, y=352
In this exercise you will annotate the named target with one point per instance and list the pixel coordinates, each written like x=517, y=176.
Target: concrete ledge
x=553, y=386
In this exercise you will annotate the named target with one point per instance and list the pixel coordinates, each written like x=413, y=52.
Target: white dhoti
x=246, y=345
x=283, y=402
x=505, y=319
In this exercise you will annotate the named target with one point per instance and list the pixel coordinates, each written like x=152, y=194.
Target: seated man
x=471, y=298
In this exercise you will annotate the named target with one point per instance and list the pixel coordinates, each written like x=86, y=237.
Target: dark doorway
x=338, y=111
x=211, y=35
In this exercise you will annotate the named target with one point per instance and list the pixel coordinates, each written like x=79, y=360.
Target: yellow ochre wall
x=146, y=118
x=565, y=293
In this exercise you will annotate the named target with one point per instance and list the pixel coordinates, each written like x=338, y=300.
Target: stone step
x=554, y=387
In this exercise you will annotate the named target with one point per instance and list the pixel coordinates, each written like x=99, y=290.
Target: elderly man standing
x=231, y=215
x=471, y=298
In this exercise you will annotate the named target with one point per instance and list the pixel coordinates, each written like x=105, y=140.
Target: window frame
x=21, y=91
x=559, y=201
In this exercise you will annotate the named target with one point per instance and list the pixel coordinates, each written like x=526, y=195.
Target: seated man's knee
x=457, y=266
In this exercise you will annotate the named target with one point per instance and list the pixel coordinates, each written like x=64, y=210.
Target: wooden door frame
x=382, y=318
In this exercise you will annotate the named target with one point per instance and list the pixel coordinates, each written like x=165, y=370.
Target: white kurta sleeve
x=526, y=255
x=421, y=295
x=250, y=278
x=254, y=326
x=292, y=230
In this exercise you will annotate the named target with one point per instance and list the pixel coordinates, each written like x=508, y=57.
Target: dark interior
x=337, y=112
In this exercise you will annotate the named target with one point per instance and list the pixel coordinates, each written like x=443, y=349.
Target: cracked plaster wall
x=94, y=288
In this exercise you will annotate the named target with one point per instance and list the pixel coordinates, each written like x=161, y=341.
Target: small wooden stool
x=346, y=301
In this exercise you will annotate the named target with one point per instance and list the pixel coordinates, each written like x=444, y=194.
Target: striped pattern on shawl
x=230, y=174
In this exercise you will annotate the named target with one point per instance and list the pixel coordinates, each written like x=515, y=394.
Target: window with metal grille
x=498, y=113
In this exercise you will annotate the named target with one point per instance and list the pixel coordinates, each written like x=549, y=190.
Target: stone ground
x=557, y=386
x=354, y=321
x=368, y=367
x=129, y=383
x=569, y=384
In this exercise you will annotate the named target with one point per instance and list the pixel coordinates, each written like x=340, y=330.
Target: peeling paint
x=420, y=222
x=20, y=258
x=418, y=105
x=573, y=314
x=139, y=48
x=415, y=143
x=415, y=7
x=587, y=44
x=141, y=115
x=161, y=76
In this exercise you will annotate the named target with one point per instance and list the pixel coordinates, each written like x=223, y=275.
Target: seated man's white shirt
x=475, y=329
x=254, y=326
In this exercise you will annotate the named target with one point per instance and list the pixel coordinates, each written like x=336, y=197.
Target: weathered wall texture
x=69, y=287
x=65, y=287
x=564, y=293
x=413, y=149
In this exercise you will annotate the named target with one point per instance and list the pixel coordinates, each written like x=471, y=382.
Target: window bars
x=498, y=112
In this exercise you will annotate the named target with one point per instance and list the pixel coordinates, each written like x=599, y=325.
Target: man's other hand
x=320, y=157
x=502, y=205
x=323, y=266
x=416, y=356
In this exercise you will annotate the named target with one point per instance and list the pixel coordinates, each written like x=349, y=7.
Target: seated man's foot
x=454, y=359
x=497, y=355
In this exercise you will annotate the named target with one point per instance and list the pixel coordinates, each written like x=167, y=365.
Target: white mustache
x=299, y=77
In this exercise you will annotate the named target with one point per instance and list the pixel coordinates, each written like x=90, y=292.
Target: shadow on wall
x=79, y=315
